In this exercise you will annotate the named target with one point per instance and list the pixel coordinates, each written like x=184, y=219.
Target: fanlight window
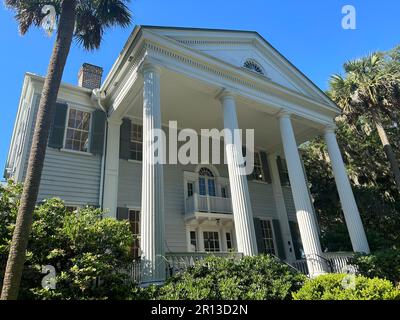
x=205, y=172
x=253, y=66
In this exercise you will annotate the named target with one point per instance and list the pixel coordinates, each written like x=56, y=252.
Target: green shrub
x=382, y=264
x=86, y=250
x=258, y=278
x=331, y=287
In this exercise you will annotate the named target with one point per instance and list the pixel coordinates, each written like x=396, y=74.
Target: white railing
x=337, y=262
x=199, y=203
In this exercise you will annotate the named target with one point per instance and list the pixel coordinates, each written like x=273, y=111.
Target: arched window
x=206, y=182
x=253, y=66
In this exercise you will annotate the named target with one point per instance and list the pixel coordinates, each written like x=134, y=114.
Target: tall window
x=134, y=222
x=211, y=241
x=206, y=182
x=268, y=236
x=77, y=135
x=136, y=142
x=190, y=190
x=193, y=241
x=229, y=242
x=283, y=171
x=258, y=173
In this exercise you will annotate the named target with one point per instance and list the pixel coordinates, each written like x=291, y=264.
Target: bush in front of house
x=382, y=264
x=341, y=287
x=250, y=278
x=86, y=250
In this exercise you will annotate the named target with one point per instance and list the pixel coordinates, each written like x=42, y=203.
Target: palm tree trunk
x=17, y=254
x=389, y=152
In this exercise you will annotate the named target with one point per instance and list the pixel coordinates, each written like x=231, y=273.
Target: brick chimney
x=89, y=76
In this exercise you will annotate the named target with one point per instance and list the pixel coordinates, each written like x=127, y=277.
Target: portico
x=160, y=77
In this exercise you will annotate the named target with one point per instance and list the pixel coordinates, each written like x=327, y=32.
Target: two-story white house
x=100, y=150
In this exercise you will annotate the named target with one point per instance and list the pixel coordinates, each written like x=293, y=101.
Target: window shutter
x=279, y=239
x=282, y=174
x=259, y=236
x=122, y=213
x=125, y=139
x=57, y=129
x=98, y=127
x=265, y=166
x=296, y=238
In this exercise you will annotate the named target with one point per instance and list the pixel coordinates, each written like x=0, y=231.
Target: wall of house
x=73, y=177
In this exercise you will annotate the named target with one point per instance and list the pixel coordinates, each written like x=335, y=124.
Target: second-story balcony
x=196, y=204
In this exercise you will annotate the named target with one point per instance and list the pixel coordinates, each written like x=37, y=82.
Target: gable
x=236, y=47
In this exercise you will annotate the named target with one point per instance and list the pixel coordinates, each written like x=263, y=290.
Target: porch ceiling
x=192, y=104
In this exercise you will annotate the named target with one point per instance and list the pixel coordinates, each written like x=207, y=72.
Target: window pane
x=211, y=241
x=211, y=187
x=268, y=237
x=77, y=134
x=202, y=186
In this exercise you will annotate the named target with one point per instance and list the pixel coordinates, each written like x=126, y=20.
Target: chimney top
x=89, y=76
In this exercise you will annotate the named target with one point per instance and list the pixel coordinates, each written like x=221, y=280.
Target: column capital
x=147, y=66
x=330, y=128
x=284, y=114
x=226, y=94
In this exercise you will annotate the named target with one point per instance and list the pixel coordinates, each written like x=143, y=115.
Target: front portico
x=189, y=76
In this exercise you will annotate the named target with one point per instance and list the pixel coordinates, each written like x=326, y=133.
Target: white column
x=152, y=213
x=242, y=212
x=281, y=208
x=304, y=212
x=349, y=206
x=110, y=192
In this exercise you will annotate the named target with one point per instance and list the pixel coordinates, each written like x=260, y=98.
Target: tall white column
x=110, y=191
x=349, y=206
x=304, y=212
x=242, y=212
x=152, y=213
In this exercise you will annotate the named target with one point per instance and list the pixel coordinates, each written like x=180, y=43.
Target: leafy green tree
x=86, y=21
x=371, y=89
x=91, y=255
x=250, y=278
x=333, y=287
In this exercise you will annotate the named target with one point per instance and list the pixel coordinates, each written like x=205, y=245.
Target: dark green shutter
x=296, y=238
x=122, y=213
x=279, y=239
x=56, y=137
x=98, y=129
x=282, y=173
x=265, y=167
x=259, y=236
x=125, y=139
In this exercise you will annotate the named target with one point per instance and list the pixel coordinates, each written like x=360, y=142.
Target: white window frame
x=213, y=230
x=135, y=122
x=83, y=109
x=140, y=229
x=273, y=233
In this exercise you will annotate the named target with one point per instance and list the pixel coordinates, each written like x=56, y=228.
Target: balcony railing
x=199, y=203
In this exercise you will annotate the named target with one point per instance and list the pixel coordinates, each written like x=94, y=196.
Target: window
x=77, y=134
x=190, y=189
x=134, y=222
x=211, y=241
x=206, y=182
x=193, y=241
x=268, y=236
x=229, y=244
x=253, y=66
x=136, y=145
x=283, y=171
x=257, y=173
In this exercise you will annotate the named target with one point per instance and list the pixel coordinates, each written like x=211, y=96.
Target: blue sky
x=307, y=32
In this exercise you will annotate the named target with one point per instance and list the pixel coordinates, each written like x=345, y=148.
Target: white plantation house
x=100, y=150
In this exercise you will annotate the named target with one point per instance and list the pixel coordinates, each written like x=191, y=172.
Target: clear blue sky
x=307, y=32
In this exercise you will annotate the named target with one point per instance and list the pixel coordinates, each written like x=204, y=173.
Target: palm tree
x=370, y=89
x=84, y=20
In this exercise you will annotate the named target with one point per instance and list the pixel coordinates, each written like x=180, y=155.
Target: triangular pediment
x=237, y=47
